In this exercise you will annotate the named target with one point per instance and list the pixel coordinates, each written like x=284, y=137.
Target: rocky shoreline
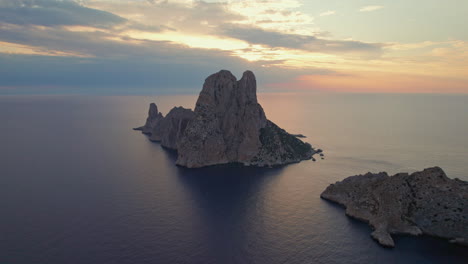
x=425, y=202
x=228, y=125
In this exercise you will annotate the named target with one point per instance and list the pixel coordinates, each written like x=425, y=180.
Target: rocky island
x=425, y=202
x=228, y=125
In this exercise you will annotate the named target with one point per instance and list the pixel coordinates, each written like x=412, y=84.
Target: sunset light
x=332, y=41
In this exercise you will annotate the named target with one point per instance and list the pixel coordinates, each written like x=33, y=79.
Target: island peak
x=228, y=125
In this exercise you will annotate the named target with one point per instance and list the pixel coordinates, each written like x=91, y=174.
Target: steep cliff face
x=171, y=128
x=425, y=202
x=227, y=122
x=228, y=125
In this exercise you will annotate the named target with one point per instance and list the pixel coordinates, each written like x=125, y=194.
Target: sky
x=171, y=46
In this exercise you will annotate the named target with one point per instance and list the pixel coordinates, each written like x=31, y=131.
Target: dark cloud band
x=54, y=13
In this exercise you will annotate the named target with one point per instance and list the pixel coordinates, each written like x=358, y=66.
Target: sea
x=78, y=185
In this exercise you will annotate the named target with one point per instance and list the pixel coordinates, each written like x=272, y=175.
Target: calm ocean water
x=77, y=185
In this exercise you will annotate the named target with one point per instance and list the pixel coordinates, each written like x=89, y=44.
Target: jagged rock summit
x=425, y=202
x=228, y=125
x=154, y=116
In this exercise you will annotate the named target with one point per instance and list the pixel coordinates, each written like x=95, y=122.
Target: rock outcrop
x=154, y=116
x=228, y=125
x=170, y=129
x=425, y=202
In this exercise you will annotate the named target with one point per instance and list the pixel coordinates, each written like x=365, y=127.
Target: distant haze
x=170, y=46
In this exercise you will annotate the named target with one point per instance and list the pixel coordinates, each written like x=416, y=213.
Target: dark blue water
x=77, y=185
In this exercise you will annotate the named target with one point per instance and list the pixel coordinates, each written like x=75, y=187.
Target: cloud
x=14, y=48
x=279, y=15
x=327, y=13
x=54, y=13
x=155, y=46
x=197, y=17
x=127, y=75
x=90, y=54
x=274, y=39
x=411, y=46
x=115, y=64
x=117, y=74
x=370, y=8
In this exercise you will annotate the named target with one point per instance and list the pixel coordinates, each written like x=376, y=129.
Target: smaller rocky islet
x=425, y=202
x=227, y=126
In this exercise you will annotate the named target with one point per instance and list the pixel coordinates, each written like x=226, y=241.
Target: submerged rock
x=425, y=202
x=228, y=125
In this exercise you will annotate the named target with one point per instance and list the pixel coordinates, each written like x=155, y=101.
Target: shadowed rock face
x=280, y=147
x=171, y=128
x=227, y=126
x=425, y=202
